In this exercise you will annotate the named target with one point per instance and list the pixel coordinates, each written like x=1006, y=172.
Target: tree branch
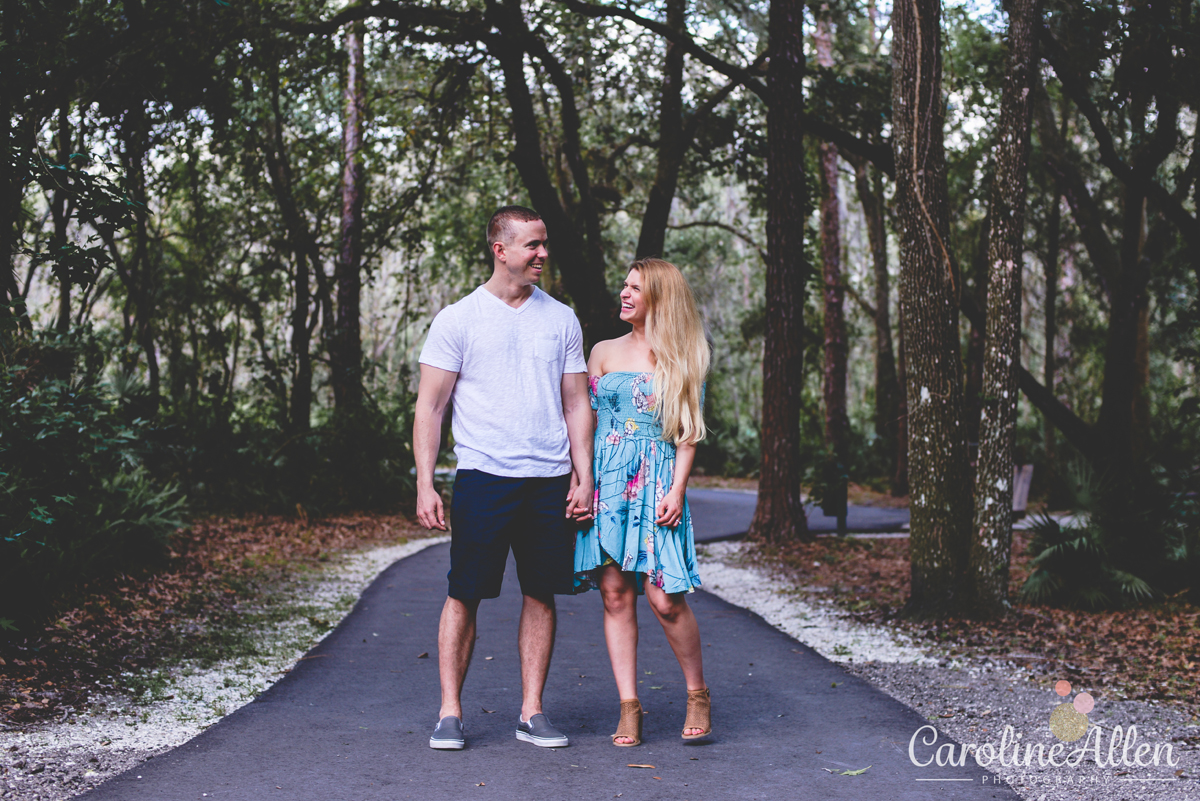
x=860, y=300
x=879, y=154
x=413, y=16
x=1170, y=206
x=724, y=227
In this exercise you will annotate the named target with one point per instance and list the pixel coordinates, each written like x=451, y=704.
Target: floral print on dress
x=643, y=401
x=634, y=485
x=634, y=470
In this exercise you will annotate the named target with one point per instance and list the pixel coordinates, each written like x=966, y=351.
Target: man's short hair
x=500, y=228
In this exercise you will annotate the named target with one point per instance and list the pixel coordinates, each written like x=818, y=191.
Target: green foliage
x=1112, y=556
x=246, y=461
x=76, y=498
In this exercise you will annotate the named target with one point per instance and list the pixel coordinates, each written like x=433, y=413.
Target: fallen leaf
x=482, y=784
x=635, y=765
x=659, y=778
x=489, y=711
x=422, y=655
x=858, y=772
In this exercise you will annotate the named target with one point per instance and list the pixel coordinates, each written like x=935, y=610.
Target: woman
x=648, y=391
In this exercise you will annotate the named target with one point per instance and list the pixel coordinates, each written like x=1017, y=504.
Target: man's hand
x=429, y=509
x=670, y=510
x=580, y=499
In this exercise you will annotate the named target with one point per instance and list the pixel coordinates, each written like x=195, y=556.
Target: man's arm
x=433, y=395
x=577, y=410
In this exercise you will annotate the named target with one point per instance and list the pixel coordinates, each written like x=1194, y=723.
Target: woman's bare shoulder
x=600, y=352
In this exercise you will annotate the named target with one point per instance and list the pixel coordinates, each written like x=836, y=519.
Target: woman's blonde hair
x=675, y=333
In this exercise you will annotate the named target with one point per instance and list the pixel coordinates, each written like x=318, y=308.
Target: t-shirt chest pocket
x=547, y=348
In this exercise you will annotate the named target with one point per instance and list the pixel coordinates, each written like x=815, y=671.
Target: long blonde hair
x=675, y=333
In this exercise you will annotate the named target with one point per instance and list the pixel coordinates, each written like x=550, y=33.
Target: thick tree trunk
x=929, y=289
x=973, y=393
x=991, y=540
x=346, y=353
x=671, y=144
x=1125, y=298
x=869, y=184
x=779, y=515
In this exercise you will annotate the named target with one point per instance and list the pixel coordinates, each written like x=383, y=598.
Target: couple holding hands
x=534, y=424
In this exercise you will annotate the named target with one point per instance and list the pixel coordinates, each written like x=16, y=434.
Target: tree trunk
x=579, y=257
x=973, y=394
x=869, y=184
x=900, y=477
x=346, y=353
x=837, y=423
x=991, y=540
x=141, y=277
x=671, y=144
x=779, y=515
x=929, y=289
x=1050, y=358
x=1125, y=298
x=305, y=261
x=60, y=211
x=10, y=188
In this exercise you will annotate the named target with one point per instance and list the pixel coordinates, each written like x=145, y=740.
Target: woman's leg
x=683, y=633
x=620, y=627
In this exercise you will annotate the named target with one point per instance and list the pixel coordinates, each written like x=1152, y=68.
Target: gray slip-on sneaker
x=448, y=735
x=539, y=732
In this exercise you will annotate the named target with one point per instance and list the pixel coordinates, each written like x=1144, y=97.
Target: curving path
x=721, y=514
x=352, y=720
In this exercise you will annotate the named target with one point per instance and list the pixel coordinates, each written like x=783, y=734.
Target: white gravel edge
x=59, y=761
x=55, y=761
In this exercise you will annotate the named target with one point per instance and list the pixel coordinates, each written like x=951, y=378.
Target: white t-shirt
x=508, y=416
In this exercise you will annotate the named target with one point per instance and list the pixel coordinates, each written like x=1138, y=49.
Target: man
x=510, y=359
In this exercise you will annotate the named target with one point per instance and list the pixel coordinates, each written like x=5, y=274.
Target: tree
x=929, y=287
x=837, y=423
x=779, y=515
x=346, y=348
x=991, y=535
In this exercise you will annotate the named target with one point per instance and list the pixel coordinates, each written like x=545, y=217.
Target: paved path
x=352, y=720
x=725, y=514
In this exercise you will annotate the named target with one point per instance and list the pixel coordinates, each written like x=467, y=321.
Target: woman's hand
x=670, y=510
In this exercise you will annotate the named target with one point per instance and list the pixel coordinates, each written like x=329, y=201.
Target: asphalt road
x=719, y=514
x=352, y=720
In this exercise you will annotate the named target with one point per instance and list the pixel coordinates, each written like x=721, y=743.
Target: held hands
x=670, y=510
x=430, y=513
x=580, y=499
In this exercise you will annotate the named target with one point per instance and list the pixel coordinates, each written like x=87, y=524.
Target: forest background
x=228, y=225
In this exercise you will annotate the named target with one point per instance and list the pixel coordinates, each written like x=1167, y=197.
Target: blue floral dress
x=634, y=469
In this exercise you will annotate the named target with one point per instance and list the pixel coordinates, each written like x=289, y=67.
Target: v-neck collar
x=514, y=309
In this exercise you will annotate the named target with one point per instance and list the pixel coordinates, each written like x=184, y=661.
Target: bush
x=77, y=500
x=242, y=459
x=1116, y=557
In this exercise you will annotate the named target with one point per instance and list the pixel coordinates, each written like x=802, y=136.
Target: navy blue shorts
x=489, y=515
